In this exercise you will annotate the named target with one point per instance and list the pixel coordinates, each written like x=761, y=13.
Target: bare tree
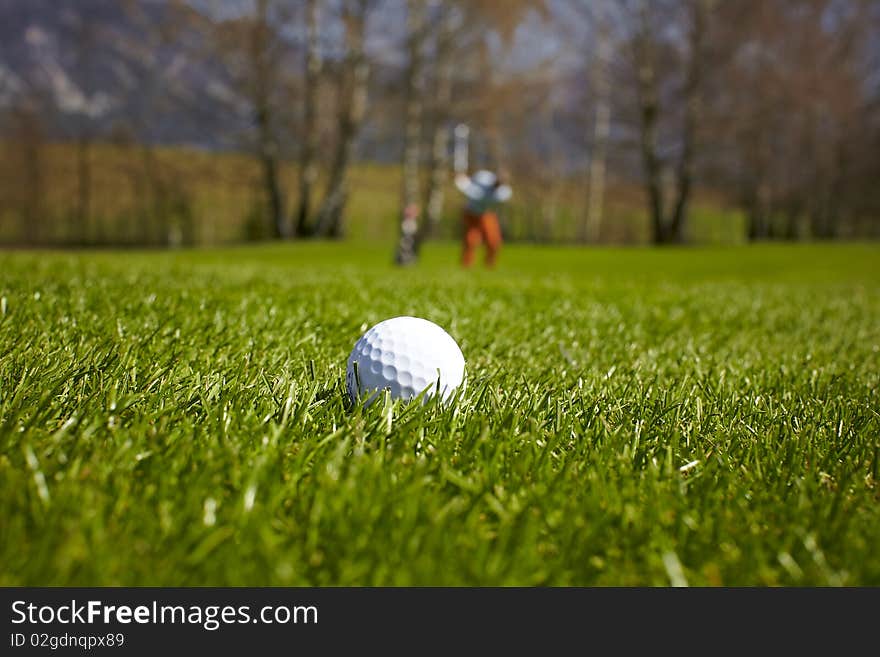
x=649, y=115
x=412, y=134
x=502, y=19
x=449, y=21
x=796, y=110
x=308, y=169
x=458, y=29
x=668, y=224
x=352, y=109
x=264, y=62
x=252, y=50
x=601, y=123
x=162, y=214
x=692, y=98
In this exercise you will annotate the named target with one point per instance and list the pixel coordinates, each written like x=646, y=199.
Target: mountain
x=103, y=65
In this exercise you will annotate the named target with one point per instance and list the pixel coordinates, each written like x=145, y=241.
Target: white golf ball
x=406, y=355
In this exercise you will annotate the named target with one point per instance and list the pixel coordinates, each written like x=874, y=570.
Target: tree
x=458, y=29
x=412, y=137
x=796, y=113
x=253, y=52
x=668, y=220
x=263, y=59
x=308, y=169
x=353, y=79
x=449, y=21
x=692, y=98
x=601, y=130
x=162, y=215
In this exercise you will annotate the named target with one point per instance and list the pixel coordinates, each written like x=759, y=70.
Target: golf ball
x=406, y=355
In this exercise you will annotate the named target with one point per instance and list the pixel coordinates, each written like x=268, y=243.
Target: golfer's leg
x=491, y=231
x=470, y=239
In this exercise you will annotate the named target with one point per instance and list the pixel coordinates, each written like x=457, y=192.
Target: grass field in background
x=632, y=416
x=220, y=195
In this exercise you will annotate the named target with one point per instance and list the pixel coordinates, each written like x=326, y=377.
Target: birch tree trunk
x=440, y=142
x=409, y=193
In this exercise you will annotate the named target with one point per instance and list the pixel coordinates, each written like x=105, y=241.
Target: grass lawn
x=632, y=416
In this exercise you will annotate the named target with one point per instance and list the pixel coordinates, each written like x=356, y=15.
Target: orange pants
x=480, y=228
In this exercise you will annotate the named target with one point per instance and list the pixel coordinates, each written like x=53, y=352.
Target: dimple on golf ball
x=405, y=355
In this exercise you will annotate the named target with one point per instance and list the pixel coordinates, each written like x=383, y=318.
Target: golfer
x=483, y=191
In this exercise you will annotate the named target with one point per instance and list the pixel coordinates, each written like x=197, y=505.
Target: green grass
x=632, y=417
